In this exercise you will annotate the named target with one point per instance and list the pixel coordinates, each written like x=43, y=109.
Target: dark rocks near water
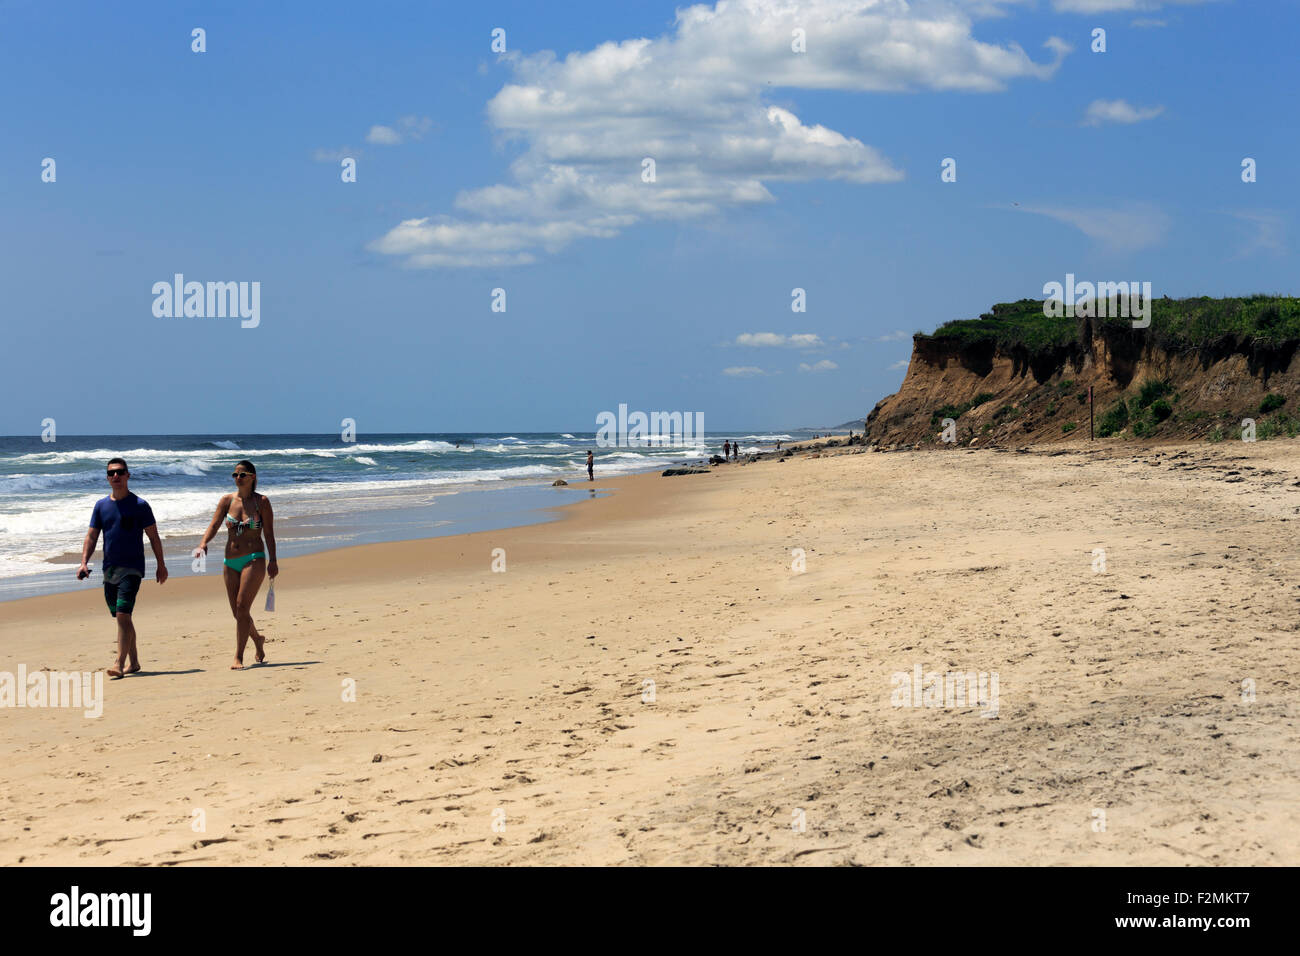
x=670, y=472
x=558, y=482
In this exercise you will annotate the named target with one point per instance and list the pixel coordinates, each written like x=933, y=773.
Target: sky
x=795, y=146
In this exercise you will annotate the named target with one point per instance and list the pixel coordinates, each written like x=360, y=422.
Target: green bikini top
x=253, y=523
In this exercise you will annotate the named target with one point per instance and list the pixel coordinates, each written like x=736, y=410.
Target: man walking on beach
x=124, y=518
x=591, y=467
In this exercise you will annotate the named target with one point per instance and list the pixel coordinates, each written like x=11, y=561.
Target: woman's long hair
x=252, y=469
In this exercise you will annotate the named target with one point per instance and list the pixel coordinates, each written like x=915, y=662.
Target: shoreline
x=544, y=515
x=402, y=518
x=651, y=681
x=387, y=488
x=452, y=513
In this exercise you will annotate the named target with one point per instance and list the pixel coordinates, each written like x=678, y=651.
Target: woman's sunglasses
x=240, y=474
x=114, y=472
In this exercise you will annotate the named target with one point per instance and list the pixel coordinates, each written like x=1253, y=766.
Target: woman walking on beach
x=247, y=515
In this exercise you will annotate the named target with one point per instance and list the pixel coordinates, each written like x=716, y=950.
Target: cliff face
x=1012, y=395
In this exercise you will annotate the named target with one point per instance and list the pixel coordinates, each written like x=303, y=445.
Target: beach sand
x=499, y=717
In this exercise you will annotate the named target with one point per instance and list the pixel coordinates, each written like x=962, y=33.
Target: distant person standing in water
x=726, y=449
x=123, y=518
x=591, y=467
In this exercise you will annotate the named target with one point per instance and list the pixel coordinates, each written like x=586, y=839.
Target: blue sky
x=478, y=170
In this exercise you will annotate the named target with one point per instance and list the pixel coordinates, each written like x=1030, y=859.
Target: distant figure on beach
x=735, y=451
x=245, y=564
x=123, y=518
x=591, y=467
x=726, y=449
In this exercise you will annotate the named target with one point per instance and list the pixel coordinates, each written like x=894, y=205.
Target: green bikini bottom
x=238, y=564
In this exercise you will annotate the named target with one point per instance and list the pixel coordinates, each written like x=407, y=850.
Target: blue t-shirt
x=123, y=523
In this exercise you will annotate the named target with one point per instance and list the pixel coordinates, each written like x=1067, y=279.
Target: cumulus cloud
x=693, y=101
x=1118, y=111
x=772, y=339
x=743, y=371
x=900, y=364
x=825, y=365
x=1133, y=227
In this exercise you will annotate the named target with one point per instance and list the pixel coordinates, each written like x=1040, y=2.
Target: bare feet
x=260, y=643
x=134, y=668
x=238, y=665
x=115, y=672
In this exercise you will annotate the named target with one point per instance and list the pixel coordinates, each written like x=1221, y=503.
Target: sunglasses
x=240, y=474
x=114, y=472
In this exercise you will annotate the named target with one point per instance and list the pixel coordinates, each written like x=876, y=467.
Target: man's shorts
x=121, y=585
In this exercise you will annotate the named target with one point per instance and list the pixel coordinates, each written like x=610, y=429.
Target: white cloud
x=900, y=364
x=825, y=365
x=693, y=100
x=429, y=244
x=798, y=341
x=743, y=371
x=1118, y=111
x=383, y=136
x=898, y=335
x=1135, y=227
x=1148, y=23
x=412, y=128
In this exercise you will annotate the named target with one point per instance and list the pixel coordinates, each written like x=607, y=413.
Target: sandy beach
x=506, y=718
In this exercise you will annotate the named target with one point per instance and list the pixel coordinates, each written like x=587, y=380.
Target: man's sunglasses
x=114, y=472
x=240, y=474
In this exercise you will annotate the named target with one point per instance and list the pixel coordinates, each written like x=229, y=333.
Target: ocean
x=326, y=493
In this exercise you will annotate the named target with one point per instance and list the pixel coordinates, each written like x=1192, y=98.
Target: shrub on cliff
x=1151, y=390
x=1114, y=420
x=1271, y=402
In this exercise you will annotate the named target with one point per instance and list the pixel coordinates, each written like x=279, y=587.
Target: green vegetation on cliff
x=1175, y=323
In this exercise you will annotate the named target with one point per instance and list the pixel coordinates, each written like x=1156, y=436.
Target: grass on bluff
x=1175, y=323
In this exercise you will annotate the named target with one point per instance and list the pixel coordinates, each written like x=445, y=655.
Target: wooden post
x=1090, y=413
